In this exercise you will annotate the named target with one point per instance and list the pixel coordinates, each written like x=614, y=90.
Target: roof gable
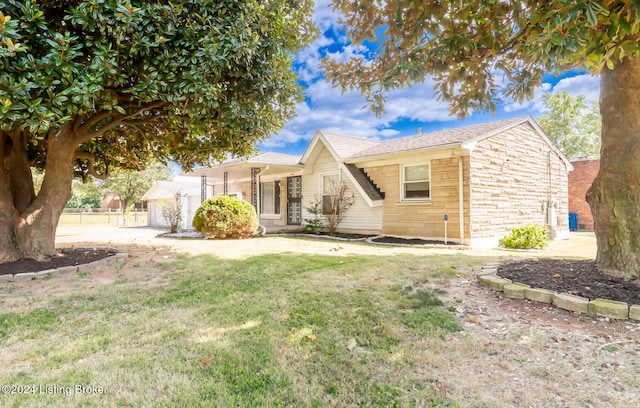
x=169, y=189
x=340, y=146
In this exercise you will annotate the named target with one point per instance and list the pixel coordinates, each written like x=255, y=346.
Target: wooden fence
x=79, y=216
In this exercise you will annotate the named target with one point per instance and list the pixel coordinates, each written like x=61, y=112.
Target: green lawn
x=272, y=330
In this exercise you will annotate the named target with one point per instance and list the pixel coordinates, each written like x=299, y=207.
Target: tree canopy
x=130, y=185
x=90, y=86
x=187, y=80
x=572, y=124
x=85, y=195
x=481, y=51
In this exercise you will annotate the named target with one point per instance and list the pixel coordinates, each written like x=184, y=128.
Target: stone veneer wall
x=514, y=175
x=580, y=179
x=424, y=219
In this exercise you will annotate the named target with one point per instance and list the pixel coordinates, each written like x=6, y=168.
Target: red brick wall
x=580, y=179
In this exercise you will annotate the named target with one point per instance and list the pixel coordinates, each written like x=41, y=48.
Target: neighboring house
x=110, y=201
x=484, y=178
x=580, y=179
x=166, y=192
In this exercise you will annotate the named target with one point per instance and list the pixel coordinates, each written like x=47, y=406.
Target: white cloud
x=584, y=84
x=531, y=105
x=324, y=17
x=587, y=85
x=417, y=102
x=327, y=109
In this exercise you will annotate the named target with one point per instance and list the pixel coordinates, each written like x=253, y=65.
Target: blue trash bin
x=573, y=221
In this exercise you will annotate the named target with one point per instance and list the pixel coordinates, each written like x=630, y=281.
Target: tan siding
x=423, y=219
x=514, y=175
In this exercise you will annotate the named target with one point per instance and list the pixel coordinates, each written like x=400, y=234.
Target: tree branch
x=84, y=131
x=136, y=122
x=90, y=158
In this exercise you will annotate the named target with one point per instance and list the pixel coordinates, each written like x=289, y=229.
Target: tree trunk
x=8, y=213
x=614, y=196
x=28, y=222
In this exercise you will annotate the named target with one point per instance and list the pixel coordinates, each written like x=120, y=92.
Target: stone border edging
x=488, y=276
x=88, y=267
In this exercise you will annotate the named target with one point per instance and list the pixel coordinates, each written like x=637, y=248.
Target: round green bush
x=527, y=236
x=226, y=217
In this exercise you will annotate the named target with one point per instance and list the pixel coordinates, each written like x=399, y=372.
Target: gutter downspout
x=461, y=197
x=263, y=229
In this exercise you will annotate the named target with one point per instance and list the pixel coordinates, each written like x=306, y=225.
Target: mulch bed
x=575, y=277
x=68, y=257
x=410, y=241
x=347, y=236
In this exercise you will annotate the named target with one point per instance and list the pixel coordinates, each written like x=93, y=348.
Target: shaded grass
x=272, y=330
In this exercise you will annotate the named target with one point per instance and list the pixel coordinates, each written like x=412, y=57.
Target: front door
x=294, y=200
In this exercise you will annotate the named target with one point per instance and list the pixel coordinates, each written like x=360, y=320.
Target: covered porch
x=271, y=182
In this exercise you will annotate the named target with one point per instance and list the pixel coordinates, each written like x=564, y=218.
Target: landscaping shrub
x=527, y=236
x=226, y=217
x=314, y=225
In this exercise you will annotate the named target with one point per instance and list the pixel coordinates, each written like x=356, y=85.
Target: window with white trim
x=416, y=184
x=329, y=188
x=270, y=197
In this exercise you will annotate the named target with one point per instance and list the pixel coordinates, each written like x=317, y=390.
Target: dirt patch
x=576, y=277
x=520, y=353
x=67, y=257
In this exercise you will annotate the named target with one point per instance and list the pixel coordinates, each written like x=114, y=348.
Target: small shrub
x=226, y=217
x=171, y=211
x=314, y=225
x=527, y=237
x=328, y=211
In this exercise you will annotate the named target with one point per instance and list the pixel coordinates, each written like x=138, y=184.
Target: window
x=329, y=188
x=416, y=185
x=270, y=197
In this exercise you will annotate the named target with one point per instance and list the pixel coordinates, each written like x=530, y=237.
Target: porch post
x=203, y=188
x=225, y=185
x=255, y=188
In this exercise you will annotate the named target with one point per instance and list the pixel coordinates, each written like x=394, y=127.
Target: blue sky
x=325, y=108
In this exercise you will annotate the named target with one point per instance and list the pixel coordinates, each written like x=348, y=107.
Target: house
x=162, y=193
x=270, y=181
x=482, y=179
x=110, y=201
x=580, y=179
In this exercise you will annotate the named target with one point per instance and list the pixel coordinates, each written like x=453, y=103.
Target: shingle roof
x=275, y=158
x=265, y=158
x=348, y=146
x=435, y=139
